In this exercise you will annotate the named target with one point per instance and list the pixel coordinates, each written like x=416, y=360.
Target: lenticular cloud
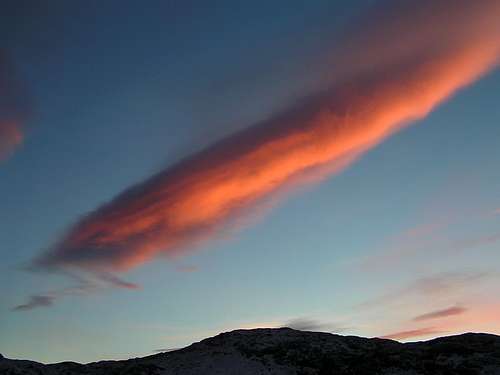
x=408, y=58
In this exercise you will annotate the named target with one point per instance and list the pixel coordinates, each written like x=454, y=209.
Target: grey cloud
x=34, y=302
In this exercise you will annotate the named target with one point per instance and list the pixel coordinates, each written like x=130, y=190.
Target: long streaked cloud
x=13, y=109
x=419, y=55
x=443, y=313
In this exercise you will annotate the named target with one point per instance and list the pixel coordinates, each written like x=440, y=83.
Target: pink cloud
x=414, y=333
x=481, y=316
x=455, y=310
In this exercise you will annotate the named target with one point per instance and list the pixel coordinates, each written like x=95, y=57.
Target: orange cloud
x=318, y=136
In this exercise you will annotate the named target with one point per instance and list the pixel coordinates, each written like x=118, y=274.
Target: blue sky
x=122, y=90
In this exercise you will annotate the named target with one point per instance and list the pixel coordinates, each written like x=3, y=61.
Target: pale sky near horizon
x=403, y=242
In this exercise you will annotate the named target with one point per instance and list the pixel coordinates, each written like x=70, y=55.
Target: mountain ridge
x=288, y=351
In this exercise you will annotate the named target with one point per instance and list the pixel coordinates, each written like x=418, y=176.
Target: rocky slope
x=287, y=351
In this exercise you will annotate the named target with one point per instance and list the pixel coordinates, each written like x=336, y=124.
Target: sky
x=173, y=170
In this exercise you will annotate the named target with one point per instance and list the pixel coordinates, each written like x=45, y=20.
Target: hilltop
x=284, y=351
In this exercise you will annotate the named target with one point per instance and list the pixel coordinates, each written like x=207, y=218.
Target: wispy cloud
x=414, y=333
x=419, y=56
x=187, y=268
x=34, y=302
x=308, y=324
x=84, y=287
x=446, y=284
x=165, y=350
x=437, y=314
x=488, y=239
x=433, y=235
